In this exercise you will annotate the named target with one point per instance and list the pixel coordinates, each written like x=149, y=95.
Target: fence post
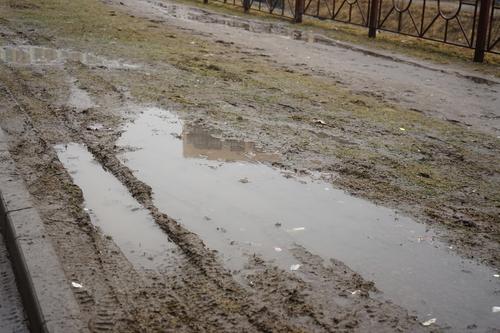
x=299, y=11
x=373, y=18
x=482, y=30
x=246, y=5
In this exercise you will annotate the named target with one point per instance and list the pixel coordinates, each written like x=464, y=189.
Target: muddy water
x=29, y=55
x=115, y=212
x=241, y=208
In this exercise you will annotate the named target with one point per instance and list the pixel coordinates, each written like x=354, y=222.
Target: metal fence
x=473, y=24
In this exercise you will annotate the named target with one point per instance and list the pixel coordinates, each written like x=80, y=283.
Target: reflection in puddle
x=199, y=143
x=114, y=211
x=268, y=211
x=195, y=14
x=28, y=55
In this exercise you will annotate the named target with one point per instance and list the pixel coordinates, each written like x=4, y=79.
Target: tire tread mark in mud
x=103, y=311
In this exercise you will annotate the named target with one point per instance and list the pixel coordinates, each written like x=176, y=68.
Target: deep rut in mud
x=194, y=292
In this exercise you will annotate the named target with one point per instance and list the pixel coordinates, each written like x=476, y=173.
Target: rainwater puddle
x=115, y=211
x=79, y=98
x=234, y=207
x=29, y=55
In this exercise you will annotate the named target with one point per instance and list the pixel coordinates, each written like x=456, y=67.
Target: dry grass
x=406, y=45
x=414, y=21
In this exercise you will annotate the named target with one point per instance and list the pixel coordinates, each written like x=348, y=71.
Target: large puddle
x=241, y=208
x=115, y=212
x=30, y=55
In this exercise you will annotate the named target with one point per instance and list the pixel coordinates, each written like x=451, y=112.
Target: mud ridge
x=190, y=243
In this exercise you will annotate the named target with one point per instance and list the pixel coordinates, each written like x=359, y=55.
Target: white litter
x=496, y=275
x=402, y=129
x=295, y=267
x=319, y=121
x=278, y=249
x=429, y=322
x=298, y=229
x=495, y=309
x=95, y=127
x=355, y=292
x=76, y=284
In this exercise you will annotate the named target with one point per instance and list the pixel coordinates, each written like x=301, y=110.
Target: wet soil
x=302, y=119
x=193, y=291
x=242, y=208
x=404, y=157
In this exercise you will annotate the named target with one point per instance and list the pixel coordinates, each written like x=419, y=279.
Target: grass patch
x=415, y=47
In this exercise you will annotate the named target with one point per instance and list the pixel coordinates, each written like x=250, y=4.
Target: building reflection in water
x=198, y=142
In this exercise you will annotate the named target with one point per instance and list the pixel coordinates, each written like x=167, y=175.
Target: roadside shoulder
x=45, y=291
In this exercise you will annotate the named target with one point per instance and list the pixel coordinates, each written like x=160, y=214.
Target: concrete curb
x=46, y=294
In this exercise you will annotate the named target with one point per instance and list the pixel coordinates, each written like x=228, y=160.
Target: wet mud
x=242, y=209
x=232, y=212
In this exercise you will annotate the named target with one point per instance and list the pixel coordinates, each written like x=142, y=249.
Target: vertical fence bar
x=246, y=5
x=482, y=30
x=422, y=20
x=299, y=11
x=372, y=19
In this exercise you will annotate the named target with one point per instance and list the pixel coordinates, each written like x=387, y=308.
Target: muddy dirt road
x=197, y=171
